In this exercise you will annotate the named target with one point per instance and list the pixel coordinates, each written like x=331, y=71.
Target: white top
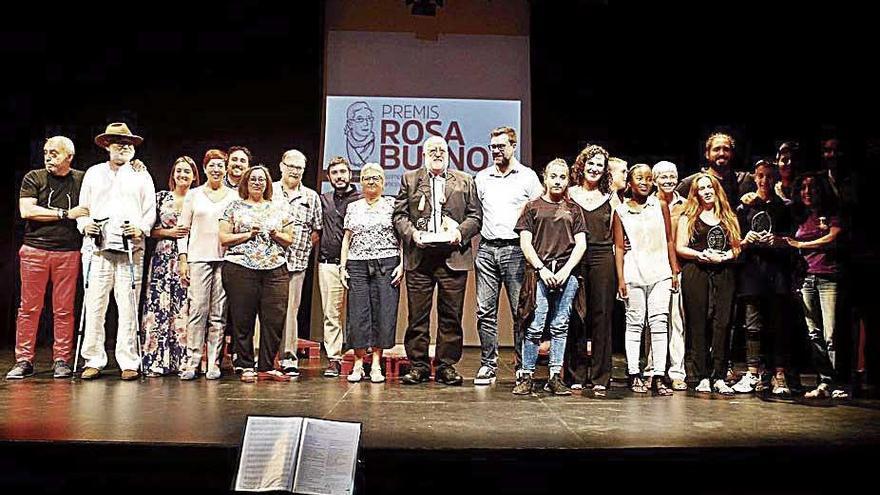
x=372, y=233
x=438, y=198
x=202, y=216
x=503, y=197
x=120, y=196
x=647, y=260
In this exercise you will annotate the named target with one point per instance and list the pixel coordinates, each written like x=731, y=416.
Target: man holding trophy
x=436, y=214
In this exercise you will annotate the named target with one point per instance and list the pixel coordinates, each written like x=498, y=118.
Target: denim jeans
x=496, y=265
x=819, y=295
x=554, y=305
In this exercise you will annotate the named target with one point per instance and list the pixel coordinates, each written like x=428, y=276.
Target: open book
x=299, y=455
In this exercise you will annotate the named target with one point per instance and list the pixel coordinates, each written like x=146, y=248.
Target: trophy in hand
x=444, y=235
x=716, y=241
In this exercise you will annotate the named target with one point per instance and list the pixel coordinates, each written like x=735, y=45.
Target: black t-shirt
x=553, y=227
x=52, y=191
x=763, y=269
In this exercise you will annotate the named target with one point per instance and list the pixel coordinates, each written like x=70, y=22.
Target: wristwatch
x=62, y=214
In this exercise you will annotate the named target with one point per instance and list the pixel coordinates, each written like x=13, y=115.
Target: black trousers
x=707, y=296
x=601, y=285
x=249, y=293
x=420, y=284
x=766, y=331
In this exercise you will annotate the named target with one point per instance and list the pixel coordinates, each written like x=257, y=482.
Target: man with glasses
x=503, y=188
x=436, y=214
x=50, y=252
x=305, y=208
x=334, y=204
x=121, y=202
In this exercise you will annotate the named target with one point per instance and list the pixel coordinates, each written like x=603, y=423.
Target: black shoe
x=415, y=376
x=61, y=369
x=556, y=387
x=448, y=376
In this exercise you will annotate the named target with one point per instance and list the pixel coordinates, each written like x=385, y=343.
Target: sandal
x=599, y=390
x=249, y=376
x=839, y=394
x=637, y=385
x=679, y=385
x=660, y=388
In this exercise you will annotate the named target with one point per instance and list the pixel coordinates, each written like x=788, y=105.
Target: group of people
x=231, y=256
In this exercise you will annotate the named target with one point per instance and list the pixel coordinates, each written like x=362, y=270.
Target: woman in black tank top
x=706, y=242
x=591, y=189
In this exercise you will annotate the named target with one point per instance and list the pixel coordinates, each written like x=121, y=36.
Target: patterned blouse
x=372, y=233
x=261, y=252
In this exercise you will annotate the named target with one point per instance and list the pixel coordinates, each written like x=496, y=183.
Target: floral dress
x=165, y=309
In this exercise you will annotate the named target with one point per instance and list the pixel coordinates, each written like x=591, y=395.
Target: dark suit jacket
x=462, y=205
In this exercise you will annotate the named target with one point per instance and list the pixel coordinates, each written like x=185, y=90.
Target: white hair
x=63, y=142
x=662, y=167
x=295, y=155
x=374, y=167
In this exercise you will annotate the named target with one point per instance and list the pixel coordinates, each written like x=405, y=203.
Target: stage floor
x=166, y=411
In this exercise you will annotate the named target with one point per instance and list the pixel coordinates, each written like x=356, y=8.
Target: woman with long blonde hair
x=707, y=241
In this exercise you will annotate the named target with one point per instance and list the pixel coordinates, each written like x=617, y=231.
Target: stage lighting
x=424, y=7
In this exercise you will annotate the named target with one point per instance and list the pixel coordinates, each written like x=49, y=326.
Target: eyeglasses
x=371, y=178
x=498, y=147
x=257, y=180
x=293, y=166
x=436, y=152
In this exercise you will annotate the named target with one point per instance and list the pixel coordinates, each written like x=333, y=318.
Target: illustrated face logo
x=360, y=137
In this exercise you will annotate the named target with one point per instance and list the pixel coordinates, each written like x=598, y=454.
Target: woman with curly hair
x=591, y=190
x=707, y=241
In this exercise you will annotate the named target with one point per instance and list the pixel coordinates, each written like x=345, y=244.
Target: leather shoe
x=448, y=376
x=415, y=376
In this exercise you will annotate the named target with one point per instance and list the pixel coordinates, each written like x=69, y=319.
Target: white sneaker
x=357, y=374
x=376, y=375
x=485, y=376
x=704, y=387
x=577, y=386
x=722, y=388
x=746, y=384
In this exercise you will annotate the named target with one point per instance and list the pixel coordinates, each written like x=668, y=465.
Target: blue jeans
x=496, y=265
x=555, y=304
x=819, y=295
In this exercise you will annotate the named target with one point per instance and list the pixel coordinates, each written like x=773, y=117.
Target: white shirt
x=123, y=195
x=202, y=216
x=503, y=197
x=647, y=262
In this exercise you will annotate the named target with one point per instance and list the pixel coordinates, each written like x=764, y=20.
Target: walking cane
x=133, y=300
x=82, y=315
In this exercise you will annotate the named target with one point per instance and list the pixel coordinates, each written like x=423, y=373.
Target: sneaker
x=60, y=369
x=356, y=375
x=188, y=375
x=555, y=386
x=485, y=376
x=524, y=385
x=288, y=365
x=376, y=375
x=779, y=385
x=577, y=386
x=22, y=369
x=746, y=384
x=333, y=369
x=722, y=388
x=704, y=387
x=213, y=374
